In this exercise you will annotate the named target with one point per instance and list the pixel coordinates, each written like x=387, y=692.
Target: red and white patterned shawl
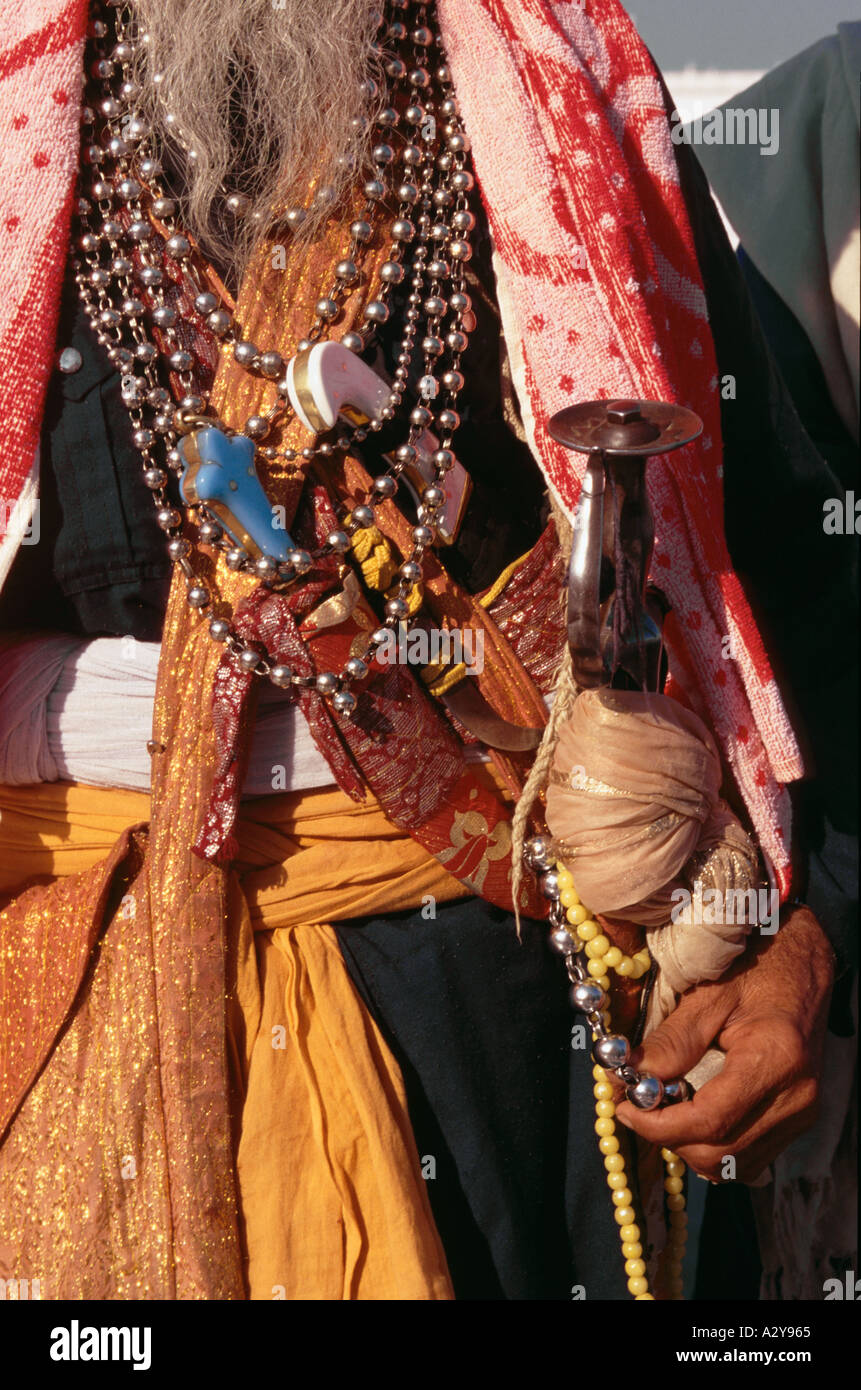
x=599, y=289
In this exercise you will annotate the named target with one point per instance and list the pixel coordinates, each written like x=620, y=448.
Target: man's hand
x=769, y=1015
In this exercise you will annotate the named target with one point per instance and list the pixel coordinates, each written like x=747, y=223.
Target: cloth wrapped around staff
x=634, y=805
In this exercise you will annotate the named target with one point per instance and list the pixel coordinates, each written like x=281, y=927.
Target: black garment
x=482, y=1029
x=100, y=568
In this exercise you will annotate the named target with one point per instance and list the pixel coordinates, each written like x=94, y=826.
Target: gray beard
x=265, y=92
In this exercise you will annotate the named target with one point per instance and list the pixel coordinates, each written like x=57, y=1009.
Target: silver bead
x=121, y=265
x=375, y=188
x=193, y=404
x=360, y=230
x=244, y=353
x=410, y=572
x=376, y=311
x=271, y=364
x=459, y=143
x=460, y=302
x=219, y=629
x=562, y=942
x=587, y=996
x=420, y=416
x=142, y=438
x=353, y=342
x=180, y=361
x=549, y=884
x=449, y=421
x=281, y=676
x=167, y=518
x=164, y=316
x=536, y=852
x=611, y=1052
x=384, y=486
x=362, y=516
x=265, y=567
x=382, y=154
x=146, y=352
x=155, y=478
x=338, y=541
x=249, y=659
x=150, y=168
x=347, y=271
x=646, y=1093
x=295, y=217
x=197, y=596
x=326, y=308
x=129, y=189
x=403, y=229
x=138, y=230
x=677, y=1091
x=205, y=302
x=327, y=683
x=344, y=702
x=219, y=322
x=178, y=246
x=397, y=608
x=406, y=453
x=460, y=250
x=257, y=427
x=238, y=204
x=422, y=535
x=435, y=307
x=392, y=272
x=236, y=558
x=356, y=668
x=178, y=547
x=148, y=275
x=210, y=531
x=408, y=193
x=300, y=560
x=379, y=636
x=70, y=361
x=433, y=496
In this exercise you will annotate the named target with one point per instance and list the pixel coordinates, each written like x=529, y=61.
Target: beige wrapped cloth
x=634, y=806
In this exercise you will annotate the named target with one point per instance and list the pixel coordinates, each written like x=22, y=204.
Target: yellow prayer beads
x=602, y=955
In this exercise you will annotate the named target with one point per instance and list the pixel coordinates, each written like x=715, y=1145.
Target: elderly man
x=330, y=272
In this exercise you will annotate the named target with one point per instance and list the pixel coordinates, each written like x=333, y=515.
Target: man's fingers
x=684, y=1037
x=714, y=1113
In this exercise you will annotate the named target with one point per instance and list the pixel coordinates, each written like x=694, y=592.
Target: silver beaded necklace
x=121, y=283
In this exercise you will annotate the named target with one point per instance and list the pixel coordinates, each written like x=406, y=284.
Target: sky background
x=737, y=34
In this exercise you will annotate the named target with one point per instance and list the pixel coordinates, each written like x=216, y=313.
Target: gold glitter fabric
x=122, y=1077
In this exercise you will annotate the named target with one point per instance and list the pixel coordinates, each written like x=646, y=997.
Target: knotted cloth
x=634, y=802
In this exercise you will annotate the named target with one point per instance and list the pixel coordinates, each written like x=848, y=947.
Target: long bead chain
x=588, y=958
x=433, y=217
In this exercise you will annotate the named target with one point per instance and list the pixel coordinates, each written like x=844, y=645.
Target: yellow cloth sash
x=325, y=1142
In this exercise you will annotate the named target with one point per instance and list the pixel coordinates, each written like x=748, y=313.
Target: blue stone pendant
x=220, y=473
